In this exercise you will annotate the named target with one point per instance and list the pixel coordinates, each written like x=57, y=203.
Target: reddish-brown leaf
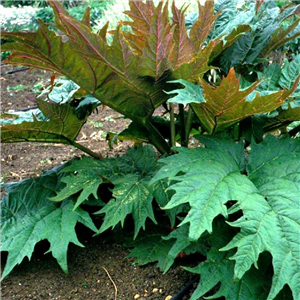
x=183, y=46
x=202, y=27
x=154, y=31
x=227, y=104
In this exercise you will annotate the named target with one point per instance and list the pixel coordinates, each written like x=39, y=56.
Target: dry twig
x=115, y=287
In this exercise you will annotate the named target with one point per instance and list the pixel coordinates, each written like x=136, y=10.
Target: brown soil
x=101, y=269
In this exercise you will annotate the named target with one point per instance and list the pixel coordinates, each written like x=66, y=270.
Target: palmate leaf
x=219, y=269
x=207, y=178
x=150, y=247
x=84, y=176
x=227, y=104
x=271, y=222
x=27, y=217
x=130, y=74
x=104, y=73
x=63, y=126
x=129, y=175
x=206, y=188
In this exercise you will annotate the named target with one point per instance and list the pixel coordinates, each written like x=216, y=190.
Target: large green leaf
x=206, y=181
x=84, y=176
x=271, y=222
x=27, y=217
x=129, y=175
x=131, y=196
x=267, y=33
x=267, y=192
x=218, y=268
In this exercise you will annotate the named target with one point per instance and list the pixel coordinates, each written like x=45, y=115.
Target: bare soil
x=100, y=270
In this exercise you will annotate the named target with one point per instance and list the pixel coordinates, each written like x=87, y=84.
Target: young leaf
x=27, y=217
x=183, y=46
x=109, y=73
x=202, y=27
x=153, y=26
x=227, y=104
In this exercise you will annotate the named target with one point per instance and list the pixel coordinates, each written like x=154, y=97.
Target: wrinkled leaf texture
x=266, y=188
x=267, y=34
x=220, y=107
x=128, y=75
x=63, y=126
x=129, y=174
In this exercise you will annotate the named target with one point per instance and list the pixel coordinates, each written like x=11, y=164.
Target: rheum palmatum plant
x=234, y=199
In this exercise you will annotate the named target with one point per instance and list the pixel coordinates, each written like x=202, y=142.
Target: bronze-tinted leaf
x=227, y=104
x=63, y=126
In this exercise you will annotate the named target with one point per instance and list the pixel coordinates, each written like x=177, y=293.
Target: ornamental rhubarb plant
x=230, y=189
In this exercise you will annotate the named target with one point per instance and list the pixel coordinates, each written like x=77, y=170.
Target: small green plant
x=234, y=198
x=18, y=87
x=3, y=178
x=96, y=124
x=46, y=160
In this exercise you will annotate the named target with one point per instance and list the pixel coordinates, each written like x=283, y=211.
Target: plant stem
x=172, y=125
x=188, y=125
x=156, y=139
x=182, y=126
x=86, y=150
x=294, y=131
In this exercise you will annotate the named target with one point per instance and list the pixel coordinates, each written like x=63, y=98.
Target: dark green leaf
x=27, y=217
